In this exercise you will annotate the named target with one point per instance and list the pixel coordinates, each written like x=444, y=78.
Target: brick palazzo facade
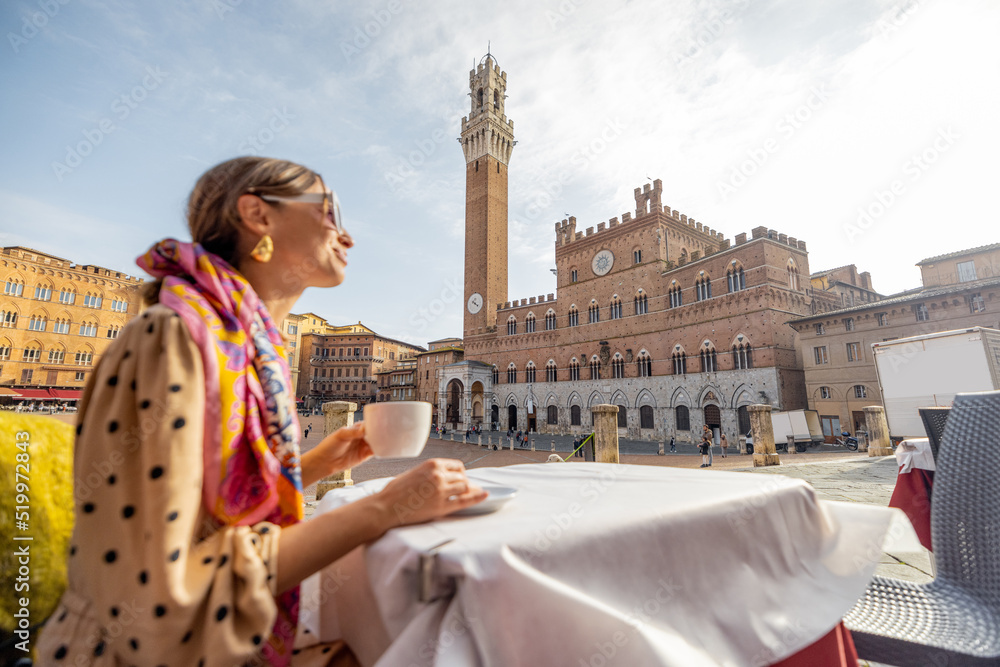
x=656, y=312
x=56, y=319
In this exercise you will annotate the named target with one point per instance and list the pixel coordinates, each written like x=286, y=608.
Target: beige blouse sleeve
x=151, y=564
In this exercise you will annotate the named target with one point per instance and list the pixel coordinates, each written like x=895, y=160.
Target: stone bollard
x=510, y=443
x=791, y=444
x=336, y=414
x=532, y=443
x=660, y=451
x=480, y=440
x=552, y=445
x=878, y=431
x=743, y=444
x=763, y=436
x=605, y=433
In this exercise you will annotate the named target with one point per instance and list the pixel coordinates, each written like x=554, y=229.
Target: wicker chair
x=934, y=420
x=954, y=619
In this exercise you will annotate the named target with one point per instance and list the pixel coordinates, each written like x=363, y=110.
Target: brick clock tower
x=487, y=140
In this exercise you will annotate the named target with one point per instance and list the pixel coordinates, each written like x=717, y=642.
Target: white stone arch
x=574, y=399
x=596, y=398
x=703, y=400
x=737, y=341
x=511, y=400
x=680, y=397
x=551, y=400
x=742, y=396
x=645, y=397
x=678, y=348
x=707, y=345
x=619, y=398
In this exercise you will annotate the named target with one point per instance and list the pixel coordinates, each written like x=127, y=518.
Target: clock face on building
x=475, y=303
x=602, y=263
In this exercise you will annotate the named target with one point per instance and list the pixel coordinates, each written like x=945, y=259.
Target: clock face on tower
x=602, y=262
x=475, y=303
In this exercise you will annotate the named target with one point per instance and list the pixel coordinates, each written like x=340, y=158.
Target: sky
x=867, y=128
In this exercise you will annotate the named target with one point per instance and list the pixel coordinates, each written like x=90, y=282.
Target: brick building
x=341, y=363
x=56, y=319
x=960, y=290
x=656, y=312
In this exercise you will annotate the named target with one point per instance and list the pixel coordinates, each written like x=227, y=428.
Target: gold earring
x=263, y=250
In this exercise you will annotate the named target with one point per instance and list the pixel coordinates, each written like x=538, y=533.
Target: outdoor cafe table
x=599, y=564
x=914, y=484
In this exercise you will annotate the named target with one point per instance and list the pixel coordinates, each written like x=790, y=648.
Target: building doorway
x=494, y=417
x=512, y=417
x=831, y=428
x=531, y=419
x=713, y=420
x=454, y=403
x=858, y=417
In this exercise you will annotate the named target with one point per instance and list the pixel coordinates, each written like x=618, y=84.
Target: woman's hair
x=212, y=216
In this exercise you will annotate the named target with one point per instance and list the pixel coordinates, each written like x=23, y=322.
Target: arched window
x=675, y=296
x=113, y=331
x=496, y=375
x=644, y=364
x=703, y=288
x=860, y=391
x=37, y=323
x=683, y=418
x=14, y=287
x=622, y=417
x=529, y=372
x=595, y=368
x=88, y=328
x=511, y=374
x=550, y=320
x=8, y=319
x=61, y=326
x=57, y=355
x=618, y=367
x=641, y=303
x=550, y=371
x=646, y=416
x=594, y=313
x=529, y=324
x=793, y=275
x=680, y=362
x=553, y=415
x=709, y=363
x=480, y=98
x=616, y=308
x=5, y=348
x=574, y=317
x=574, y=370
x=743, y=419
x=92, y=300
x=735, y=279
x=32, y=353
x=511, y=325
x=496, y=98
x=574, y=415
x=742, y=356
x=43, y=292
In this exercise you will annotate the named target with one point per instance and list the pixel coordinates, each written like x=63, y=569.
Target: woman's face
x=307, y=244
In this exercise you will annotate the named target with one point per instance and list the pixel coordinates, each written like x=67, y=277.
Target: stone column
x=878, y=431
x=605, y=433
x=791, y=444
x=336, y=414
x=763, y=436
x=659, y=452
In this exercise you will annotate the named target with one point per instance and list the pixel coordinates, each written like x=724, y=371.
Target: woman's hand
x=433, y=489
x=344, y=448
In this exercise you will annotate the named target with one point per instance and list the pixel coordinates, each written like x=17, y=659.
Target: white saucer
x=499, y=495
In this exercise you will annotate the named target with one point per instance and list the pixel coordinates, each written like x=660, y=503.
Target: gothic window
x=511, y=374
x=680, y=363
x=550, y=371
x=742, y=356
x=683, y=418
x=644, y=365
x=793, y=276
x=511, y=326
x=529, y=372
x=574, y=415
x=618, y=367
x=646, y=416
x=574, y=370
x=61, y=326
x=43, y=292
x=709, y=363
x=572, y=276
x=622, y=417
x=56, y=356
x=32, y=353
x=8, y=318
x=480, y=98
x=529, y=324
x=496, y=375
x=595, y=369
x=88, y=329
x=594, y=313
x=13, y=287
x=574, y=317
x=703, y=288
x=641, y=304
x=550, y=320
x=553, y=415
x=37, y=323
x=735, y=279
x=637, y=257
x=616, y=309
x=675, y=296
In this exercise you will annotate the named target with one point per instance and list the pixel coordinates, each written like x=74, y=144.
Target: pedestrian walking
x=705, y=448
x=725, y=445
x=673, y=445
x=707, y=434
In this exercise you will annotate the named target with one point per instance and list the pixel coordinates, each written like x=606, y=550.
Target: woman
x=725, y=445
x=704, y=448
x=190, y=420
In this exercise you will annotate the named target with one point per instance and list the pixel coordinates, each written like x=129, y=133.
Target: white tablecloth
x=646, y=565
x=914, y=453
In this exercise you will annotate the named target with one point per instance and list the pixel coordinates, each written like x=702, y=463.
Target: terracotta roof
x=960, y=253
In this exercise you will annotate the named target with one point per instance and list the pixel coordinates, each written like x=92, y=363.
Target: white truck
x=802, y=425
x=927, y=371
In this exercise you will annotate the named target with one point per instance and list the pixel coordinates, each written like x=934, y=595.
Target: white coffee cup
x=397, y=428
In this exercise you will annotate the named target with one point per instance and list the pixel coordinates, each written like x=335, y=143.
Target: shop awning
x=66, y=394
x=4, y=391
x=35, y=394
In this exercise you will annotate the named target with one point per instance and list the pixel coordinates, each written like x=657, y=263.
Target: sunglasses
x=331, y=205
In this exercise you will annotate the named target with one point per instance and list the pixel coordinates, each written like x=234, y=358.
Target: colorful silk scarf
x=251, y=453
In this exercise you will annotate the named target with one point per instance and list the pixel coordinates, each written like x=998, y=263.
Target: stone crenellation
x=647, y=202
x=765, y=233
x=531, y=301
